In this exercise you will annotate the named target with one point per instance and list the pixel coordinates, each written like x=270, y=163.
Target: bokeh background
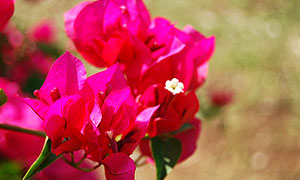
x=257, y=58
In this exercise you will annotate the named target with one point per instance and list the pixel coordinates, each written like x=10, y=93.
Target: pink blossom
x=12, y=44
x=40, y=61
x=189, y=65
x=174, y=110
x=142, y=47
x=44, y=32
x=65, y=103
x=221, y=98
x=97, y=114
x=101, y=30
x=6, y=11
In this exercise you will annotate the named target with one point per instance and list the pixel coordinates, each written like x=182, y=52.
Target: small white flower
x=174, y=86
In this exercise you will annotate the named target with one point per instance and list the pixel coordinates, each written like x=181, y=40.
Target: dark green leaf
x=50, y=49
x=10, y=170
x=3, y=97
x=44, y=160
x=166, y=153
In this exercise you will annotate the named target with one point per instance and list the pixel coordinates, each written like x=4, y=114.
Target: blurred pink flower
x=60, y=170
x=16, y=112
x=43, y=32
x=221, y=98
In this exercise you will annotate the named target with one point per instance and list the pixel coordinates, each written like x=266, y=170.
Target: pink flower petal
x=189, y=139
x=70, y=17
x=111, y=78
x=119, y=166
x=138, y=131
x=67, y=74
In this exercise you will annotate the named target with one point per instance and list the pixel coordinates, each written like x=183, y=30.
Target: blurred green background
x=257, y=56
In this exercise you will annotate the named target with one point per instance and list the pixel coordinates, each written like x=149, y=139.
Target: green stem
x=72, y=157
x=79, y=168
x=81, y=160
x=22, y=130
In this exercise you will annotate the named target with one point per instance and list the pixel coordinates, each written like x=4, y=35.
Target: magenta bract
x=97, y=114
x=107, y=32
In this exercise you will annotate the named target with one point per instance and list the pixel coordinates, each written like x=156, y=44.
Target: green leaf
x=166, y=153
x=50, y=49
x=3, y=97
x=44, y=160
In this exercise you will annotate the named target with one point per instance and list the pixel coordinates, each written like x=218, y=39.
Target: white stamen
x=174, y=86
x=123, y=9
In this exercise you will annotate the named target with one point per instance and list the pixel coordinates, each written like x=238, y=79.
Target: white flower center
x=174, y=86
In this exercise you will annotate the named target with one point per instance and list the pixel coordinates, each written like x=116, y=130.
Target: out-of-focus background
x=257, y=58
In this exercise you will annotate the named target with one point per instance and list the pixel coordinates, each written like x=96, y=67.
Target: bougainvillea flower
x=164, y=39
x=6, y=11
x=65, y=102
x=175, y=116
x=98, y=114
x=101, y=30
x=122, y=126
x=98, y=32
x=174, y=111
x=190, y=65
x=44, y=32
x=220, y=98
x=25, y=148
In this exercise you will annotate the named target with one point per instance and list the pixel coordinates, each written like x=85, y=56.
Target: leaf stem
x=23, y=130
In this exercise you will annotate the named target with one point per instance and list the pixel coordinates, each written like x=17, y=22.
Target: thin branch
x=72, y=157
x=142, y=163
x=138, y=159
x=81, y=160
x=23, y=130
x=79, y=168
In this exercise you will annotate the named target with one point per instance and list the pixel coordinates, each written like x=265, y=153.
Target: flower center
x=174, y=86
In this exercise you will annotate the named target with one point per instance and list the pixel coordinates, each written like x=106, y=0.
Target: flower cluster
x=97, y=114
x=163, y=64
x=145, y=98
